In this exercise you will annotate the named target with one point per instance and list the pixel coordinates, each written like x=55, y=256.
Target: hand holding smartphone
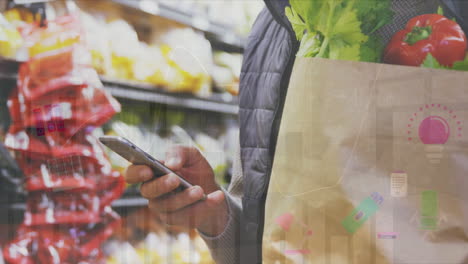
x=190, y=207
x=135, y=155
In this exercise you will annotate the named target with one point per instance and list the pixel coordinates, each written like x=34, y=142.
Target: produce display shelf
x=224, y=36
x=25, y=2
x=219, y=103
x=119, y=203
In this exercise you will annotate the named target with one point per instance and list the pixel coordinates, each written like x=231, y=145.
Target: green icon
x=367, y=208
x=429, y=210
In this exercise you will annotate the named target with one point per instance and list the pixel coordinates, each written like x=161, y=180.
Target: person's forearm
x=225, y=247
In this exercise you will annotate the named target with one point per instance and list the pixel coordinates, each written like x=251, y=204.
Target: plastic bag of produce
x=61, y=114
x=92, y=236
x=28, y=145
x=61, y=245
x=23, y=248
x=61, y=33
x=55, y=70
x=72, y=172
x=190, y=56
x=62, y=208
x=124, y=51
x=98, y=43
x=150, y=65
x=10, y=39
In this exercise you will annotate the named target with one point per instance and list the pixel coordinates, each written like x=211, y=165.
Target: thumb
x=175, y=158
x=215, y=199
x=180, y=156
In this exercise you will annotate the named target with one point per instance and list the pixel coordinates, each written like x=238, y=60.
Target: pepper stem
x=417, y=34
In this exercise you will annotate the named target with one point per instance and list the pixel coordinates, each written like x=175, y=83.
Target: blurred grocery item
x=124, y=51
x=97, y=42
x=144, y=239
x=71, y=244
x=226, y=74
x=56, y=105
x=10, y=39
x=152, y=67
x=213, y=151
x=191, y=55
x=63, y=32
x=21, y=16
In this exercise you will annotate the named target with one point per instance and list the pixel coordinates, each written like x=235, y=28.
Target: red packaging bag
x=23, y=249
x=33, y=150
x=16, y=116
x=26, y=145
x=110, y=188
x=53, y=70
x=92, y=236
x=62, y=112
x=56, y=247
x=72, y=172
x=62, y=208
x=59, y=33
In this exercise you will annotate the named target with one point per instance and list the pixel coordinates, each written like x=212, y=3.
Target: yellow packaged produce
x=149, y=256
x=63, y=32
x=190, y=54
x=124, y=46
x=122, y=67
x=150, y=65
x=10, y=39
x=179, y=79
x=97, y=42
x=19, y=15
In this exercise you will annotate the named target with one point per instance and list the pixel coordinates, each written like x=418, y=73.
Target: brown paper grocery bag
x=371, y=166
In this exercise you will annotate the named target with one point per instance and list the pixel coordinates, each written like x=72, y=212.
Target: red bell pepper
x=425, y=34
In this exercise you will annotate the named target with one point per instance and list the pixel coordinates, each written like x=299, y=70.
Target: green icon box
x=367, y=208
x=429, y=210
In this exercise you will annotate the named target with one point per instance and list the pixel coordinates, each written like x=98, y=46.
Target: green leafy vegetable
x=431, y=62
x=374, y=14
x=461, y=65
x=310, y=46
x=372, y=50
x=440, y=11
x=339, y=29
x=297, y=23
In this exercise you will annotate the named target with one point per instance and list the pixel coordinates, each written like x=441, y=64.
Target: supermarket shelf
x=219, y=103
x=122, y=202
x=25, y=2
x=224, y=36
x=225, y=104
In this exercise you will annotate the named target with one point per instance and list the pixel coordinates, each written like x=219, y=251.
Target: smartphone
x=135, y=155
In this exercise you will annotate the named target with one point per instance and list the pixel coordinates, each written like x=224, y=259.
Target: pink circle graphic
x=434, y=130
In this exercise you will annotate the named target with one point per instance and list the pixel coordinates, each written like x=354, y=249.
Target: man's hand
x=184, y=208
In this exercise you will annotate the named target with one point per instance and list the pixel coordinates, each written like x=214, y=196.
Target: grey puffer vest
x=268, y=61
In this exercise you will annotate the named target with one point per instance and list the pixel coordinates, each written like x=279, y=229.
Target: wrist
x=216, y=223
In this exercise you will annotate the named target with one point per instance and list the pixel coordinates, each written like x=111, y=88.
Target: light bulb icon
x=434, y=132
x=437, y=125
